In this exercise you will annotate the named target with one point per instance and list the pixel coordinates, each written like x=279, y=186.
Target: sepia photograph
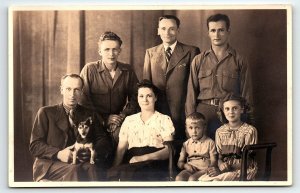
x=114, y=96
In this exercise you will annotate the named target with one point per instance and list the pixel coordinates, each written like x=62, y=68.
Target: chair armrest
x=170, y=146
x=247, y=148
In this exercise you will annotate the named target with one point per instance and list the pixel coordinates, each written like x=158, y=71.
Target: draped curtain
x=49, y=44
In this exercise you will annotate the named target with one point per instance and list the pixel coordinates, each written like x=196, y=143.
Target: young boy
x=198, y=152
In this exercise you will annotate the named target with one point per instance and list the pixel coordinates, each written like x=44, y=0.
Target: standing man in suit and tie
x=167, y=66
x=53, y=132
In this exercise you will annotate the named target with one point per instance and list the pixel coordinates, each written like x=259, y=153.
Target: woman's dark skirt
x=152, y=170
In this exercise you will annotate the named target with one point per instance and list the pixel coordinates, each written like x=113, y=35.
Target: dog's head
x=85, y=127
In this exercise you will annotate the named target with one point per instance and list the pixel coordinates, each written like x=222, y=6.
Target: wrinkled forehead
x=217, y=25
x=167, y=22
x=71, y=82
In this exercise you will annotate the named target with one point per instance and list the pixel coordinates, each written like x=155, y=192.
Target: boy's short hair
x=218, y=17
x=196, y=116
x=109, y=35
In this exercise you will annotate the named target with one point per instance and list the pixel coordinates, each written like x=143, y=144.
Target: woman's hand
x=135, y=159
x=224, y=167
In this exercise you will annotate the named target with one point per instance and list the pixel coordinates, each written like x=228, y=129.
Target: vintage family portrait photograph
x=109, y=96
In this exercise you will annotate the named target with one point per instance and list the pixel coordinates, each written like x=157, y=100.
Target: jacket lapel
x=160, y=59
x=62, y=121
x=177, y=55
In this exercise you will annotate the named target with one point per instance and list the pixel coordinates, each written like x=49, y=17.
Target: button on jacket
x=213, y=79
x=106, y=95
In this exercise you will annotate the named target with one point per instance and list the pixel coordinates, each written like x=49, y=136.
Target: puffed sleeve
x=218, y=142
x=251, y=136
x=167, y=128
x=123, y=135
x=212, y=149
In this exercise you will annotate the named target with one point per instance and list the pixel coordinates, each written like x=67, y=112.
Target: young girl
x=231, y=138
x=198, y=152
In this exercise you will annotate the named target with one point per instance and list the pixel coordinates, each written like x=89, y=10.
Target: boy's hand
x=190, y=168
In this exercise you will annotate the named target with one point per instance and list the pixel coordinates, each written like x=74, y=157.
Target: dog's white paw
x=92, y=162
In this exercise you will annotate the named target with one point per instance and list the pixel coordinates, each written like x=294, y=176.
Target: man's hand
x=65, y=155
x=115, y=120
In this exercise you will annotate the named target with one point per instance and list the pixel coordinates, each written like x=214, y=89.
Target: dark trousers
x=162, y=106
x=213, y=121
x=60, y=171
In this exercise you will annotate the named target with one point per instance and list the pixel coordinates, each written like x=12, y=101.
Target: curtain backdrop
x=49, y=44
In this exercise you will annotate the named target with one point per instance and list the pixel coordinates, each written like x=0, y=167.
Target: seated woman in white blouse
x=141, y=154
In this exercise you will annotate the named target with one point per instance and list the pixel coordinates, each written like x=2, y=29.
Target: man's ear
x=61, y=89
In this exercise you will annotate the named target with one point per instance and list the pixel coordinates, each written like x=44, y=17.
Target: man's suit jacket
x=172, y=81
x=49, y=136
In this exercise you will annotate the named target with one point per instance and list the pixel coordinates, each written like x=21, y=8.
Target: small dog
x=84, y=139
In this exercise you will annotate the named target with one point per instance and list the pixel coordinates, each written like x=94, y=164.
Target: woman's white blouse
x=157, y=129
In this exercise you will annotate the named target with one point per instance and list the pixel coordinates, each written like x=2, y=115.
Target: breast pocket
x=230, y=81
x=205, y=80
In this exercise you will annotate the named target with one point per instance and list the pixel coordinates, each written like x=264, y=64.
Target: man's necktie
x=73, y=130
x=168, y=54
x=71, y=118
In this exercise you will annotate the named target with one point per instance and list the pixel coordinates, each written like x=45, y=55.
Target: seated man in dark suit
x=53, y=132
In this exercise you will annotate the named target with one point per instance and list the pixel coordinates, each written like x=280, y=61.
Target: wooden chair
x=250, y=149
x=174, y=150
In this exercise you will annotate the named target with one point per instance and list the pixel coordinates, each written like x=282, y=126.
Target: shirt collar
x=67, y=109
x=101, y=66
x=203, y=138
x=171, y=46
x=229, y=50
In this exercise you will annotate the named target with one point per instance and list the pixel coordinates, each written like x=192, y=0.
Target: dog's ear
x=89, y=120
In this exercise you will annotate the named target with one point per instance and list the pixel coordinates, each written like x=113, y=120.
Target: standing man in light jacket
x=167, y=66
x=110, y=85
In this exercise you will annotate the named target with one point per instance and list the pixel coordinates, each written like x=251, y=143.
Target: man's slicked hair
x=218, y=17
x=108, y=35
x=170, y=17
x=71, y=76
